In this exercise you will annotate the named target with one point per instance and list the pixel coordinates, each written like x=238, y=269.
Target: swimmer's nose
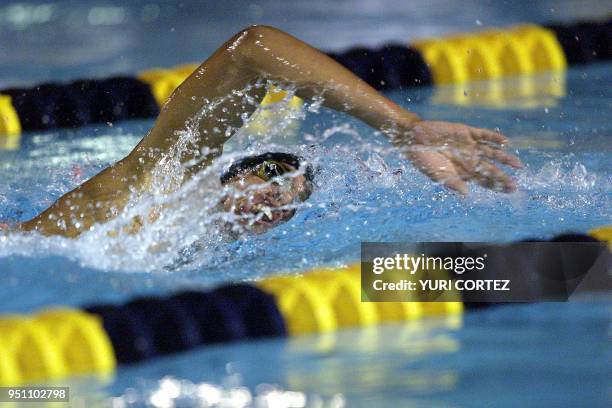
x=258, y=198
x=267, y=196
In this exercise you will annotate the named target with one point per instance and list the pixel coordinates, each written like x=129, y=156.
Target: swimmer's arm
x=249, y=58
x=98, y=199
x=447, y=152
x=256, y=54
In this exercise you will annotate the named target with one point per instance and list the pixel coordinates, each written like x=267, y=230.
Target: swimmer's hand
x=453, y=153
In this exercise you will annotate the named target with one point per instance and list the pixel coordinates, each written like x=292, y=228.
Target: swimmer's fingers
x=439, y=168
x=487, y=174
x=454, y=182
x=490, y=136
x=501, y=156
x=490, y=176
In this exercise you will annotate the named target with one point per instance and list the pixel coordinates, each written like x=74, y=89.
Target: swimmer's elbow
x=250, y=39
x=254, y=32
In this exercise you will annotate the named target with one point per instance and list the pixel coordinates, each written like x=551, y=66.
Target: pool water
x=555, y=354
x=365, y=191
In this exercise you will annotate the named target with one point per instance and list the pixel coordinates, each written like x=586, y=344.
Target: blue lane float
x=152, y=326
x=393, y=66
x=51, y=106
x=389, y=67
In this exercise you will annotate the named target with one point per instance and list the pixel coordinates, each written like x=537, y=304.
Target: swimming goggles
x=270, y=169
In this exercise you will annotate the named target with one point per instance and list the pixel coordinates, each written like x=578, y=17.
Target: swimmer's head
x=266, y=189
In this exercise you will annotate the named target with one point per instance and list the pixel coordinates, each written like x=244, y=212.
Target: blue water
x=551, y=354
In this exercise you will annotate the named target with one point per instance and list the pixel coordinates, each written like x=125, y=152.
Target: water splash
x=171, y=392
x=566, y=172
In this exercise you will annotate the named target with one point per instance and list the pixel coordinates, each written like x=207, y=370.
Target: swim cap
x=250, y=163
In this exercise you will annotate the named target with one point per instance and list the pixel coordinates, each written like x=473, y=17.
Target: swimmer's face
x=262, y=203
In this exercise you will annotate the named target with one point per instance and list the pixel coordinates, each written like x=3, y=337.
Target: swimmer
x=449, y=153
